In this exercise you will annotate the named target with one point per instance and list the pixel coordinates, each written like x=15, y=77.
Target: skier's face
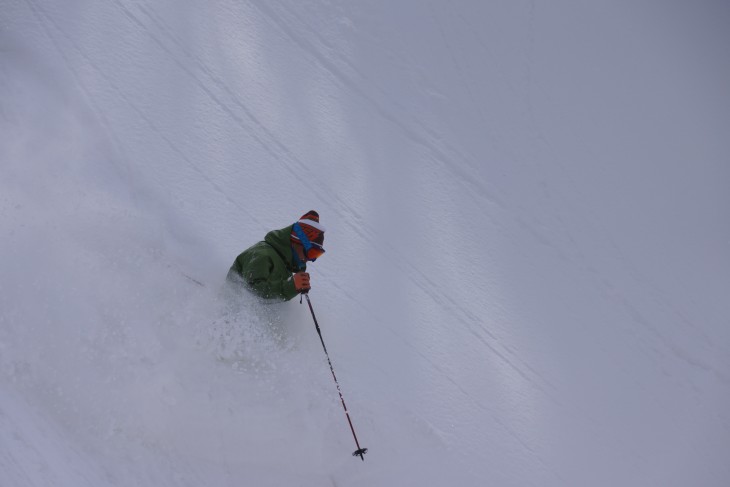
x=315, y=251
x=300, y=252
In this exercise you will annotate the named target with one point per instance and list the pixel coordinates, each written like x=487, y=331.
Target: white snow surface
x=527, y=271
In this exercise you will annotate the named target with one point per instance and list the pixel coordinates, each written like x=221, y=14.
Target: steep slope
x=527, y=247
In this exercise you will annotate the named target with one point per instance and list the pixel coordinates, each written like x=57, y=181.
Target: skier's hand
x=301, y=282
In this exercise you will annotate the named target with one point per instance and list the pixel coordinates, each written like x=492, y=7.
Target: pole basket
x=360, y=453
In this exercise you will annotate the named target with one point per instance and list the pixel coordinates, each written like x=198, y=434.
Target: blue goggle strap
x=302, y=238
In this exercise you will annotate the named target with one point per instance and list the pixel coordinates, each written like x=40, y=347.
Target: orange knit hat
x=313, y=230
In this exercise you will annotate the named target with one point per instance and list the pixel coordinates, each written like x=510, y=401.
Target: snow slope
x=527, y=271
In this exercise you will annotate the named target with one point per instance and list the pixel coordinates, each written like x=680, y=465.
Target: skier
x=276, y=268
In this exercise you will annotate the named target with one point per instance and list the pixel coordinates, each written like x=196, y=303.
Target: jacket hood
x=280, y=241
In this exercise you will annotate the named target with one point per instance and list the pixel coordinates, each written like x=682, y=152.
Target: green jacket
x=266, y=268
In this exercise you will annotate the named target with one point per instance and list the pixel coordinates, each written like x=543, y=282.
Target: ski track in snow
x=280, y=152
x=670, y=344
x=48, y=25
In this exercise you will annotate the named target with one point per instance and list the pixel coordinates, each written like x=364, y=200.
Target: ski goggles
x=312, y=250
